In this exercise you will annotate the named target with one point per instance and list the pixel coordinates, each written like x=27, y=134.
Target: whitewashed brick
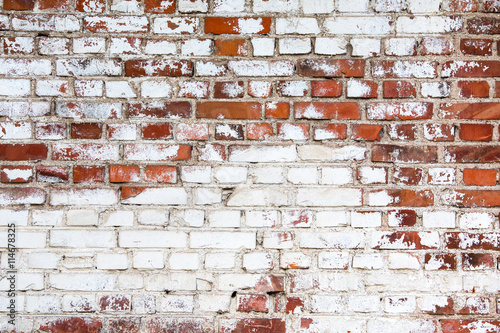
x=476, y=220
x=376, y=25
x=89, y=45
x=19, y=44
x=159, y=196
x=372, y=175
x=332, y=218
x=208, y=68
x=207, y=196
x=442, y=176
x=197, y=47
x=43, y=304
x=403, y=261
x=295, y=260
x=82, y=238
x=152, y=239
x=52, y=88
x=156, y=89
x=276, y=6
x=258, y=68
x=119, y=89
x=325, y=240
x=327, y=304
x=43, y=260
x=112, y=261
x=278, y=240
x=336, y=176
x=364, y=47
x=15, y=87
x=366, y=219
x=245, y=196
x=356, y=6
x=263, y=47
x=196, y=174
x=364, y=304
x=214, y=303
x=328, y=197
x=193, y=6
x=261, y=219
x=401, y=46
x=423, y=6
x=120, y=218
x=175, y=25
x=303, y=175
x=257, y=261
x=400, y=304
x=435, y=89
x=295, y=46
x=297, y=25
x=269, y=175
x=324, y=153
x=224, y=219
x=194, y=217
x=317, y=6
x=368, y=261
x=229, y=6
x=53, y=45
x=428, y=24
x=438, y=219
x=223, y=240
x=153, y=217
x=78, y=303
x=18, y=217
x=89, y=88
x=176, y=303
x=148, y=260
x=330, y=46
x=223, y=260
x=230, y=174
x=184, y=261
x=83, y=281
x=389, y=5
x=160, y=47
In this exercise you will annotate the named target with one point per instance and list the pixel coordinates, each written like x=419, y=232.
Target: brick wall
x=246, y=166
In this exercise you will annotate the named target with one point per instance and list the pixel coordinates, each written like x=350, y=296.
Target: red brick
x=326, y=88
x=473, y=88
x=471, y=68
x=484, y=26
x=158, y=67
x=259, y=131
x=161, y=174
x=491, y=6
x=159, y=109
x=112, y=303
x=472, y=154
x=230, y=89
x=331, y=68
x=254, y=325
x=403, y=132
x=159, y=6
x=53, y=4
x=294, y=304
x=405, y=217
x=470, y=325
x=21, y=152
x=448, y=261
x=477, y=261
x=436, y=46
x=16, y=174
x=442, y=309
x=285, y=128
x=439, y=132
x=18, y=4
x=236, y=25
x=480, y=177
x=73, y=325
x=229, y=110
x=399, y=89
x=408, y=198
x=157, y=131
x=476, y=132
x=402, y=240
x=124, y=173
x=473, y=198
x=121, y=325
x=230, y=47
x=52, y=174
x=462, y=5
x=88, y=174
x=86, y=131
x=331, y=132
x=192, y=132
x=179, y=325
x=96, y=6
x=279, y=110
x=497, y=89
x=258, y=303
x=366, y=132
x=325, y=110
x=476, y=46
x=471, y=111
x=229, y=132
x=270, y=283
x=408, y=176
x=405, y=154
x=400, y=111
x=470, y=241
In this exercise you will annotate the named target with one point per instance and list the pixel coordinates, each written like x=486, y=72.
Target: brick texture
x=237, y=166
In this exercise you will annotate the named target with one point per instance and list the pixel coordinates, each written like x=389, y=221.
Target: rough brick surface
x=257, y=166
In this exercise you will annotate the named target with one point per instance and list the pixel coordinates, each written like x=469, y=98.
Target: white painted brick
x=153, y=217
x=294, y=89
x=376, y=25
x=53, y=45
x=257, y=261
x=269, y=175
x=18, y=217
x=120, y=218
x=372, y=175
x=175, y=25
x=224, y=260
x=356, y=6
x=364, y=304
x=119, y=89
x=224, y=219
x=82, y=217
x=330, y=46
x=223, y=240
x=245, y=196
x=368, y=261
x=438, y=219
x=207, y=196
x=43, y=304
x=159, y=196
x=263, y=47
x=152, y=238
x=294, y=260
x=332, y=240
x=324, y=153
x=435, y=89
x=427, y=24
x=82, y=238
x=160, y=47
x=114, y=261
x=328, y=197
x=401, y=46
x=197, y=47
x=229, y=6
x=364, y=47
x=43, y=260
x=317, y=6
x=192, y=6
x=389, y=5
x=83, y=281
x=278, y=240
x=336, y=176
x=214, y=303
x=404, y=261
x=14, y=131
x=366, y=219
x=156, y=89
x=89, y=45
x=15, y=87
x=441, y=176
x=303, y=175
x=52, y=88
x=297, y=25
x=423, y=6
x=258, y=68
x=296, y=218
x=295, y=46
x=476, y=220
x=174, y=281
x=89, y=88
x=194, y=217
x=431, y=303
x=276, y=6
x=177, y=303
x=232, y=282
x=78, y=303
x=327, y=304
x=231, y=174
x=19, y=44
x=125, y=6
x=208, y=68
x=148, y=260
x=400, y=304
x=340, y=324
x=261, y=219
x=184, y=261
x=25, y=239
x=144, y=304
x=332, y=219
x=196, y=174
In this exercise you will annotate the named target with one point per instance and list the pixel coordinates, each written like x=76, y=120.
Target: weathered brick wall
x=251, y=165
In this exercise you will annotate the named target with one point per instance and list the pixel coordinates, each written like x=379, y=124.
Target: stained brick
x=473, y=88
x=174, y=68
x=237, y=25
x=405, y=154
x=331, y=68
